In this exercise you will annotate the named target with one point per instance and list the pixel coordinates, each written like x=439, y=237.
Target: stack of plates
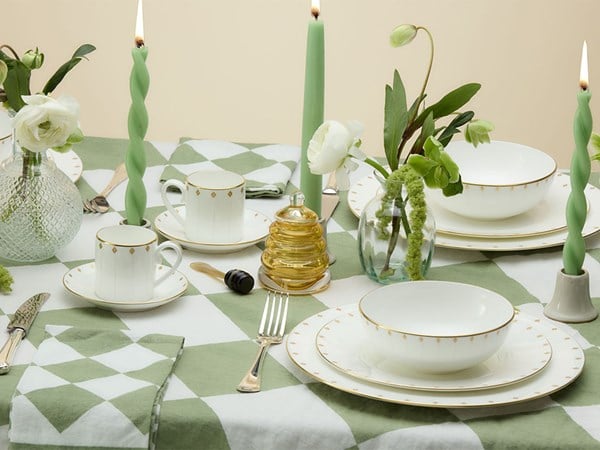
x=543, y=226
x=536, y=360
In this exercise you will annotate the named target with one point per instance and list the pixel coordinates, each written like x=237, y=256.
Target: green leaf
x=426, y=130
x=595, y=140
x=62, y=71
x=16, y=83
x=395, y=118
x=453, y=188
x=421, y=164
x=453, y=127
x=451, y=102
x=450, y=166
x=83, y=50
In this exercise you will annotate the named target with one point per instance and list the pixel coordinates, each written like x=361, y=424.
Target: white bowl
x=500, y=179
x=436, y=326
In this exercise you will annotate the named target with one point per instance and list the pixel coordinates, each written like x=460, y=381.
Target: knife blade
x=18, y=328
x=329, y=198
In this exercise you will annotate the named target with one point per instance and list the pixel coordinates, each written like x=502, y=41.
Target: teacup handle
x=163, y=193
x=173, y=246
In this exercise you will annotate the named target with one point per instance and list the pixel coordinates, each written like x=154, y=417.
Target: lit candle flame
x=139, y=26
x=315, y=8
x=583, y=74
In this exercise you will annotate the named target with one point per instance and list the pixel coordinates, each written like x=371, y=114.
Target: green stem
x=378, y=167
x=411, y=119
x=11, y=49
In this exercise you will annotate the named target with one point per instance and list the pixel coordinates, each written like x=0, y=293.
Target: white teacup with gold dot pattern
x=214, y=206
x=128, y=263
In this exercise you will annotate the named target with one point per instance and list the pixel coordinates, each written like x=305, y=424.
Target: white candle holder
x=571, y=301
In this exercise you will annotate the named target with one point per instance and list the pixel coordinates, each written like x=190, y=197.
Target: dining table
x=298, y=407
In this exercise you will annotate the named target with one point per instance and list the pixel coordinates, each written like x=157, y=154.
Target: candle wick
x=583, y=85
x=315, y=12
x=139, y=42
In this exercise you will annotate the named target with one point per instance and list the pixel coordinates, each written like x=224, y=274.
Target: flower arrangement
x=414, y=142
x=41, y=122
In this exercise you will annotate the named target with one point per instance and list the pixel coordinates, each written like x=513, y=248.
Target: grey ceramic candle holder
x=571, y=301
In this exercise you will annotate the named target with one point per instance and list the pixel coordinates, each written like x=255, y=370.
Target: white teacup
x=214, y=205
x=127, y=259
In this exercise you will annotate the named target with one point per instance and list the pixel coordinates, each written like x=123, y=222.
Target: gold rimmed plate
x=256, y=229
x=564, y=368
x=343, y=343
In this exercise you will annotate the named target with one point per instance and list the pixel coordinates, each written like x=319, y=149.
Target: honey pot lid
x=296, y=211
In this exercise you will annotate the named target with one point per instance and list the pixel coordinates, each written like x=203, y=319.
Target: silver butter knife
x=18, y=328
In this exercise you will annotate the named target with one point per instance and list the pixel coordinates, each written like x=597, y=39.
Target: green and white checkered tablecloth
x=202, y=409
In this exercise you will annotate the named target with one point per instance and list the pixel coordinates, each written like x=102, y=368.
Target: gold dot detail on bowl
x=100, y=245
x=147, y=248
x=197, y=191
x=114, y=249
x=229, y=194
x=213, y=194
x=132, y=251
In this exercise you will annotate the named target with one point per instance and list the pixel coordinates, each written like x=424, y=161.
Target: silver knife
x=329, y=198
x=18, y=328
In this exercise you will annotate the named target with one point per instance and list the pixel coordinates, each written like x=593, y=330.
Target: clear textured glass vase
x=40, y=207
x=383, y=252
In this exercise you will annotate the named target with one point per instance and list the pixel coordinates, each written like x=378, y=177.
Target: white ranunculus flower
x=332, y=148
x=45, y=122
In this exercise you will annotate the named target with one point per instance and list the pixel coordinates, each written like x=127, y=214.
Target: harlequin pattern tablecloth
x=202, y=409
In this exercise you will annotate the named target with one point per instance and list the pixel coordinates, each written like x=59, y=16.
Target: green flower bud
x=403, y=35
x=477, y=131
x=33, y=59
x=3, y=71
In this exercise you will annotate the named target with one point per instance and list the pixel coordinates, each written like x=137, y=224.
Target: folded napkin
x=93, y=388
x=266, y=168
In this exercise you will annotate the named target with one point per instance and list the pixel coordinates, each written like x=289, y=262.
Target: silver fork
x=99, y=204
x=268, y=334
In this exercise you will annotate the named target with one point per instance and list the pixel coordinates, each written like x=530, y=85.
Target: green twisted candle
x=135, y=160
x=574, y=248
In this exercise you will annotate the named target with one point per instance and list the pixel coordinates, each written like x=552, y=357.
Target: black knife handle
x=8, y=350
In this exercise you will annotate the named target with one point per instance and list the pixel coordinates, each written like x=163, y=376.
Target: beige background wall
x=234, y=69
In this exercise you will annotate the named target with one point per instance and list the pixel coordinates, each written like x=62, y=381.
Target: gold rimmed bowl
x=436, y=326
x=500, y=179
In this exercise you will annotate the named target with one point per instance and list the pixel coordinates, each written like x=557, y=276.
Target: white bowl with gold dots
x=436, y=326
x=500, y=179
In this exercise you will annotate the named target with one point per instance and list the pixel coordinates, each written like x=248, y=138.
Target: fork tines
x=275, y=301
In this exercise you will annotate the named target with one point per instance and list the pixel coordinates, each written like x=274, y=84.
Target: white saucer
x=256, y=229
x=539, y=230
x=80, y=282
x=343, y=343
x=564, y=367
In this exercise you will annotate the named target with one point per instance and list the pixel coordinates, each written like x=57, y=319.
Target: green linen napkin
x=93, y=388
x=267, y=168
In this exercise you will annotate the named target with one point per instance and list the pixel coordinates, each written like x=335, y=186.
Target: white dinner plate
x=256, y=229
x=80, y=282
x=564, y=367
x=539, y=230
x=69, y=162
x=344, y=344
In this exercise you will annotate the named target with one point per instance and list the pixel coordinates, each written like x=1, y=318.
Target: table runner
x=266, y=167
x=202, y=409
x=99, y=388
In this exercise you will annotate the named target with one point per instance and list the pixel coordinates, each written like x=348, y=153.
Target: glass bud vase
x=383, y=252
x=40, y=207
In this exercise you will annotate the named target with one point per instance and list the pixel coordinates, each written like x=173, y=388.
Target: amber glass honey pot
x=295, y=256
